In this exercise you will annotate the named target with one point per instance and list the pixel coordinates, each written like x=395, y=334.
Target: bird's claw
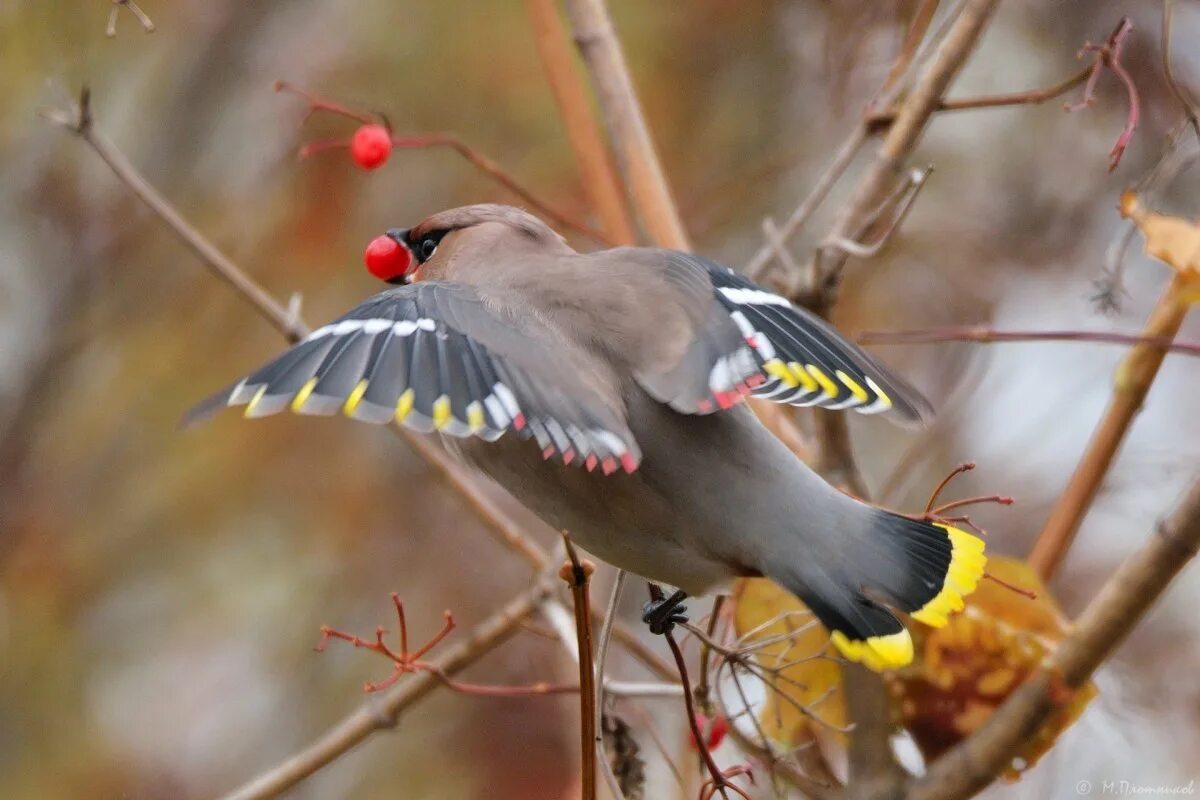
x=663, y=615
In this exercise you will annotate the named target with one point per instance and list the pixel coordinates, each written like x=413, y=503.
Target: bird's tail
x=919, y=567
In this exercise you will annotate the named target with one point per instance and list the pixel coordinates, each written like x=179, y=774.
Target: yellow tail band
x=966, y=569
x=876, y=653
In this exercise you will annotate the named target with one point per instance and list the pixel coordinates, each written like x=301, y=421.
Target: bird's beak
x=400, y=237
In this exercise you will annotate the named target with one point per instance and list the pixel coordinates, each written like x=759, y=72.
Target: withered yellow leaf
x=965, y=670
x=1173, y=240
x=804, y=704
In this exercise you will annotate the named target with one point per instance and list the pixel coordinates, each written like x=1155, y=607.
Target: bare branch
x=592, y=157
x=578, y=575
x=1134, y=379
x=597, y=41
x=79, y=121
x=1029, y=97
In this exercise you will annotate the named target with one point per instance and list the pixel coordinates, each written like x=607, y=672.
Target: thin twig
x=1181, y=95
x=577, y=575
x=110, y=29
x=703, y=688
x=452, y=141
x=1120, y=604
x=79, y=121
x=1134, y=378
x=1030, y=97
x=383, y=713
x=1109, y=55
x=985, y=335
x=592, y=158
x=757, y=264
x=871, y=763
x=718, y=778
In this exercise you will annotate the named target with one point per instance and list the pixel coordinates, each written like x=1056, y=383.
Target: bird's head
x=439, y=245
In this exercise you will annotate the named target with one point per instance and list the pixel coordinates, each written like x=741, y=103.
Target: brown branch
x=909, y=124
x=913, y=37
x=578, y=576
x=601, y=51
x=985, y=335
x=384, y=713
x=758, y=263
x=1134, y=377
x=1030, y=97
x=592, y=157
x=1108, y=618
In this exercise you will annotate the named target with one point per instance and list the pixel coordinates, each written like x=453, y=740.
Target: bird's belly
x=618, y=518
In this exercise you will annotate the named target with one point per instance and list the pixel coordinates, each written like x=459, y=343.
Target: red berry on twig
x=371, y=146
x=386, y=259
x=714, y=730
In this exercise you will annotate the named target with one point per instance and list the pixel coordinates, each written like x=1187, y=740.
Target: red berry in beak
x=371, y=146
x=386, y=259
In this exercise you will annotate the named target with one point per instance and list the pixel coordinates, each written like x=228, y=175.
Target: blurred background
x=160, y=591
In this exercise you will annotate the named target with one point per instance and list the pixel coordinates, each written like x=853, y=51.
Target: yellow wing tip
x=354, y=399
x=302, y=395
x=441, y=412
x=967, y=563
x=877, y=653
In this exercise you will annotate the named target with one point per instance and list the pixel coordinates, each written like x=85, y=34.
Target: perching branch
x=1121, y=603
x=577, y=575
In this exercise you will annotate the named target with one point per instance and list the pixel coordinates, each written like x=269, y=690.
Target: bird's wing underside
x=436, y=356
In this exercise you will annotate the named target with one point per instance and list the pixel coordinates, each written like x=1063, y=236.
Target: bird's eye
x=426, y=247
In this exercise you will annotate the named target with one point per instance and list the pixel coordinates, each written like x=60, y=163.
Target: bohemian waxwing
x=619, y=375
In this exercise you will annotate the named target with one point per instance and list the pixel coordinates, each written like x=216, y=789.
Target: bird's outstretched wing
x=436, y=356
x=745, y=340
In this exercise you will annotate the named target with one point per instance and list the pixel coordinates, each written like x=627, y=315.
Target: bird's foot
x=663, y=614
